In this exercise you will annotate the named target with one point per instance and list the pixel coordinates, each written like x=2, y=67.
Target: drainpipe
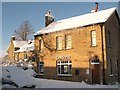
x=103, y=67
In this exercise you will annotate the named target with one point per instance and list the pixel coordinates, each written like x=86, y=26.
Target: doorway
x=95, y=71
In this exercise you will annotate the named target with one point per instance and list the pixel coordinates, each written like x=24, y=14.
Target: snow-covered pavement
x=22, y=78
x=45, y=83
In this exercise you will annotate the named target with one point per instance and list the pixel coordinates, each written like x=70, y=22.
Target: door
x=95, y=73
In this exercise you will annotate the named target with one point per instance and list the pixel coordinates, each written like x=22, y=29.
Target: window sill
x=41, y=74
x=40, y=51
x=68, y=75
x=111, y=75
x=94, y=46
x=109, y=46
x=59, y=49
x=68, y=48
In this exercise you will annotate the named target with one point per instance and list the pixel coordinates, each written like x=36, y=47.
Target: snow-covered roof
x=19, y=43
x=78, y=21
x=27, y=47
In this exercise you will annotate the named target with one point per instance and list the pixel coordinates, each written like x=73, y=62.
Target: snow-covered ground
x=25, y=77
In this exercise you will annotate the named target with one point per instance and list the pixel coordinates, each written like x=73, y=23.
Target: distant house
x=25, y=52
x=81, y=48
x=14, y=46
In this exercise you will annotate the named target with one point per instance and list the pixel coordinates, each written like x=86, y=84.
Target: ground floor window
x=41, y=67
x=64, y=67
x=116, y=67
x=111, y=72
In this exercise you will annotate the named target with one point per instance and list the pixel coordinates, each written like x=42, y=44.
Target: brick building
x=81, y=48
x=19, y=50
x=25, y=52
x=14, y=46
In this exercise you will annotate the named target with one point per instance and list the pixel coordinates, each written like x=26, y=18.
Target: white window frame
x=59, y=42
x=41, y=71
x=68, y=42
x=65, y=64
x=93, y=38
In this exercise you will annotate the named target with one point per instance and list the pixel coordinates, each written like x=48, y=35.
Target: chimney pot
x=48, y=18
x=96, y=8
x=13, y=38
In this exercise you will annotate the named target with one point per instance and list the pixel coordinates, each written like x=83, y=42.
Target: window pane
x=62, y=69
x=41, y=67
x=40, y=45
x=93, y=38
x=65, y=69
x=109, y=39
x=59, y=43
x=111, y=67
x=58, y=69
x=68, y=41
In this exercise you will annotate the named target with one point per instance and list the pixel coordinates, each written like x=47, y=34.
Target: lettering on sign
x=63, y=57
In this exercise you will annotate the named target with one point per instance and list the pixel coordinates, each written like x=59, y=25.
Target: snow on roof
x=27, y=47
x=78, y=21
x=19, y=43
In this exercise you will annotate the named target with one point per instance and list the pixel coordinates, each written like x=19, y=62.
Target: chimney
x=48, y=18
x=96, y=8
x=13, y=38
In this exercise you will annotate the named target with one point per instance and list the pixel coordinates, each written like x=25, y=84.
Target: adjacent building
x=81, y=48
x=14, y=46
x=25, y=52
x=20, y=50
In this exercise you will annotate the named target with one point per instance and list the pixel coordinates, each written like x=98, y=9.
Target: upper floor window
x=68, y=42
x=109, y=39
x=93, y=38
x=40, y=45
x=59, y=43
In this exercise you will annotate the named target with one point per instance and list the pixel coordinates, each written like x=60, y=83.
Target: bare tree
x=24, y=32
